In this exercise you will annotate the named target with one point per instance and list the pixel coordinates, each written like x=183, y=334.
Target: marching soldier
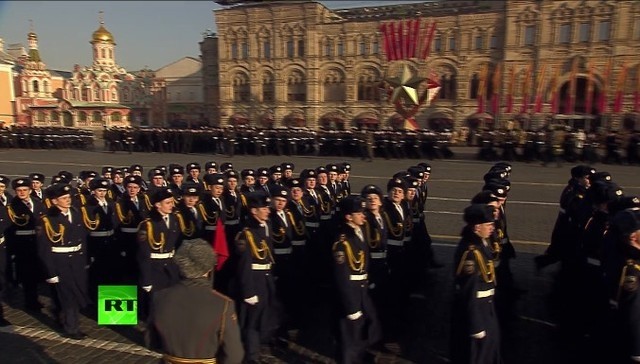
x=4, y=224
x=475, y=332
x=193, y=169
x=188, y=212
x=297, y=209
x=62, y=248
x=359, y=326
x=255, y=288
x=24, y=212
x=206, y=330
x=248, y=179
x=117, y=189
x=399, y=219
x=262, y=174
x=37, y=181
x=5, y=196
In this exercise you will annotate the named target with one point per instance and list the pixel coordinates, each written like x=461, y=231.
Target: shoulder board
x=216, y=293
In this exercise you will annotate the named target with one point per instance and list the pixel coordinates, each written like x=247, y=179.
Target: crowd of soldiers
x=365, y=144
x=281, y=241
x=559, y=144
x=46, y=138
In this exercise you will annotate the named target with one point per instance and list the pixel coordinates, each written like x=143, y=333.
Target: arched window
x=36, y=86
x=296, y=87
x=368, y=83
x=241, y=88
x=45, y=86
x=85, y=94
x=110, y=54
x=475, y=83
x=97, y=116
x=114, y=95
x=116, y=116
x=82, y=116
x=96, y=94
x=55, y=117
x=40, y=117
x=268, y=88
x=334, y=87
x=328, y=48
x=103, y=53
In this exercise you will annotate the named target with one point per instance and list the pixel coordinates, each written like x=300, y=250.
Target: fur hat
x=195, y=258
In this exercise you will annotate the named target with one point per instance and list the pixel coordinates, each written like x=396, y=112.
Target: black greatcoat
x=156, y=245
x=474, y=306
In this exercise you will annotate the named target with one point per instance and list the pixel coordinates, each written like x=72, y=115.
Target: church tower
x=103, y=46
x=35, y=80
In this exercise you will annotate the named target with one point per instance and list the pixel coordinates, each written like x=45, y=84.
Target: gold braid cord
x=375, y=241
x=260, y=253
x=230, y=212
x=243, y=199
x=54, y=236
x=209, y=219
x=90, y=224
x=83, y=200
x=356, y=265
x=487, y=269
x=18, y=220
x=153, y=243
x=187, y=231
x=307, y=211
x=325, y=207
x=147, y=202
x=299, y=227
x=396, y=232
x=123, y=219
x=279, y=235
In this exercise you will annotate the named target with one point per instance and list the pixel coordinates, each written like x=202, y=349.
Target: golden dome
x=102, y=35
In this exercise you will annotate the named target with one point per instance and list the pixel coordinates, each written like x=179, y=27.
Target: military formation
x=46, y=138
x=365, y=144
x=282, y=238
x=557, y=145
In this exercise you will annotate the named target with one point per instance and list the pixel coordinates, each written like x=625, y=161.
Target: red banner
x=526, y=86
x=589, y=96
x=512, y=77
x=402, y=43
x=482, y=86
x=537, y=107
x=570, y=107
x=393, y=44
x=220, y=245
x=619, y=100
x=555, y=93
x=385, y=41
x=602, y=98
x=416, y=38
x=495, y=95
x=426, y=48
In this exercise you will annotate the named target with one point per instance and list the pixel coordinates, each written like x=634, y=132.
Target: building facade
x=300, y=63
x=7, y=95
x=178, y=88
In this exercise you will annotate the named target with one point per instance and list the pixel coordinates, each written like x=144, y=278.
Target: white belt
x=101, y=233
x=358, y=277
x=162, y=255
x=232, y=222
x=210, y=227
x=283, y=251
x=406, y=238
x=298, y=242
x=378, y=255
x=593, y=261
x=485, y=294
x=2, y=240
x=325, y=217
x=312, y=224
x=255, y=266
x=66, y=249
x=416, y=219
x=395, y=242
x=25, y=232
x=129, y=229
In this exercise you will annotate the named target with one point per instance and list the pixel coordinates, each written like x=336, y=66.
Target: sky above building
x=147, y=34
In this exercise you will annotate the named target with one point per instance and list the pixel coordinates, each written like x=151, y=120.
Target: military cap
x=125, y=170
x=279, y=191
x=371, y=189
x=478, y=214
x=231, y=174
x=118, y=171
x=352, y=204
x=5, y=180
x=136, y=167
x=58, y=190
x=21, y=182
x=624, y=203
x=498, y=190
x=602, y=191
x=494, y=175
x=191, y=166
x=262, y=172
x=156, y=172
x=502, y=164
x=66, y=175
x=107, y=169
x=287, y=165
x=581, y=171
x=342, y=169
x=133, y=179
x=294, y=183
x=210, y=164
x=257, y=200
x=321, y=169
x=600, y=176
x=37, y=177
x=161, y=194
x=226, y=166
x=194, y=258
x=84, y=175
x=98, y=183
x=58, y=179
x=247, y=172
x=331, y=167
x=626, y=222
x=347, y=166
x=214, y=179
x=412, y=182
x=401, y=174
x=426, y=166
x=162, y=168
x=176, y=170
x=191, y=189
x=484, y=197
x=275, y=169
x=499, y=169
x=416, y=171
x=396, y=182
x=307, y=173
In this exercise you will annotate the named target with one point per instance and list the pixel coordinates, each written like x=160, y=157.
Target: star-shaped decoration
x=405, y=86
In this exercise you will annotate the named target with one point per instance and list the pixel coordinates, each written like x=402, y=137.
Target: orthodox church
x=101, y=95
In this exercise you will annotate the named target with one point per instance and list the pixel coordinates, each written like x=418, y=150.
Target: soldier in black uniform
x=62, y=248
x=189, y=212
x=158, y=237
x=254, y=286
x=193, y=169
x=24, y=212
x=4, y=224
x=189, y=322
x=5, y=197
x=359, y=326
x=117, y=188
x=475, y=334
x=37, y=182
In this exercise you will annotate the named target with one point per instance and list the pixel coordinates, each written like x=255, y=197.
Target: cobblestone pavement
x=530, y=336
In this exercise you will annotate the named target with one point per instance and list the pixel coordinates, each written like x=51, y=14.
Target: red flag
x=537, y=108
x=512, y=78
x=392, y=42
x=400, y=40
x=589, y=95
x=495, y=96
x=385, y=41
x=602, y=98
x=416, y=38
x=617, y=105
x=526, y=85
x=573, y=80
x=431, y=31
x=406, y=40
x=220, y=245
x=555, y=93
x=482, y=88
